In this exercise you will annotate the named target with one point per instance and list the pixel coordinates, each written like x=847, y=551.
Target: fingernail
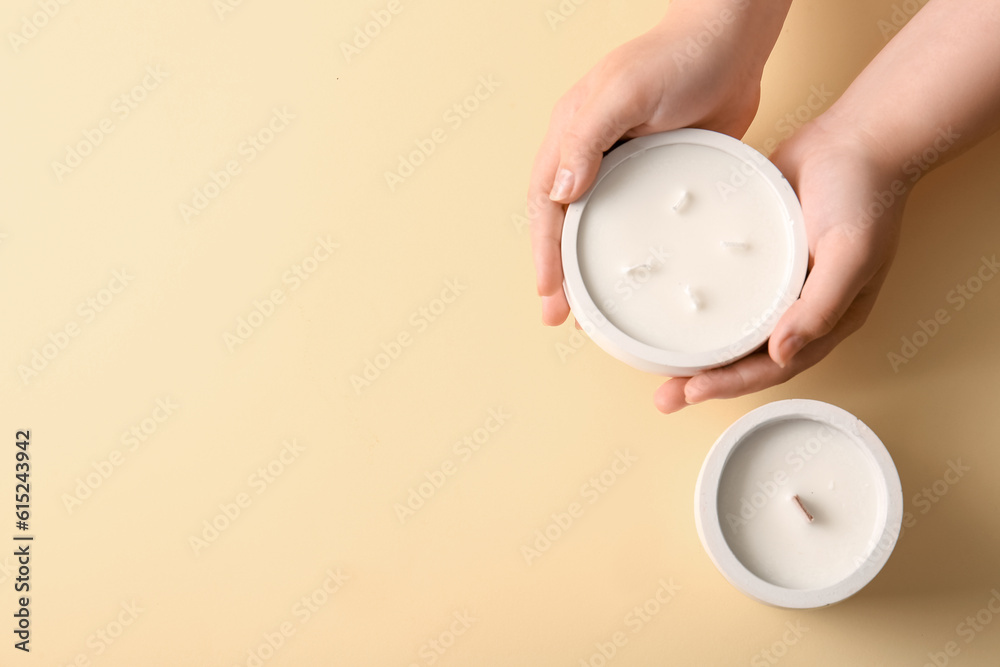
x=789, y=348
x=562, y=186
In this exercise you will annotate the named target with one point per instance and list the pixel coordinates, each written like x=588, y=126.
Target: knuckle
x=854, y=321
x=742, y=381
x=823, y=321
x=578, y=144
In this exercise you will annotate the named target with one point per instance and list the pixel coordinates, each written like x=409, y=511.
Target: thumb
x=841, y=268
x=601, y=121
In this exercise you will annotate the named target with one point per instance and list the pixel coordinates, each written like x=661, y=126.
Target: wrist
x=883, y=157
x=746, y=29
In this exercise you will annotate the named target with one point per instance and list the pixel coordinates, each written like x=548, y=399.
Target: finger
x=759, y=371
x=555, y=309
x=669, y=397
x=842, y=266
x=546, y=217
x=753, y=373
x=546, y=240
x=604, y=117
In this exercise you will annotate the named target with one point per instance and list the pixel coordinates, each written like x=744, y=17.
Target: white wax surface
x=765, y=528
x=704, y=295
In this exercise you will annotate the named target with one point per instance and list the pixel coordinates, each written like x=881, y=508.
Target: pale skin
x=933, y=91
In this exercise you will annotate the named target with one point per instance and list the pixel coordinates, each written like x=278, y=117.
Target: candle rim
x=676, y=363
x=708, y=523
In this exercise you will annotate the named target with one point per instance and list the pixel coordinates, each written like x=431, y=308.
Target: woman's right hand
x=700, y=67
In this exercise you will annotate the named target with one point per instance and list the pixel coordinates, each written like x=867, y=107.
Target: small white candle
x=731, y=227
x=799, y=504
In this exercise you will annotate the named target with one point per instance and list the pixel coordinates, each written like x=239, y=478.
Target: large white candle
x=799, y=504
x=684, y=253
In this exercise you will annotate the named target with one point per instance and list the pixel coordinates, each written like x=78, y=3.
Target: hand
x=836, y=172
x=648, y=85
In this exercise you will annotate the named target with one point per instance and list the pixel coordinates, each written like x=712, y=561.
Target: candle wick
x=695, y=300
x=681, y=202
x=645, y=265
x=803, y=508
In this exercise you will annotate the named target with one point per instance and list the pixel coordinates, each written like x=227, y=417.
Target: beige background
x=458, y=217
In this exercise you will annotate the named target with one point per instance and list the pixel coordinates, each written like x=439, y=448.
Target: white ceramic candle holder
x=684, y=253
x=798, y=504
